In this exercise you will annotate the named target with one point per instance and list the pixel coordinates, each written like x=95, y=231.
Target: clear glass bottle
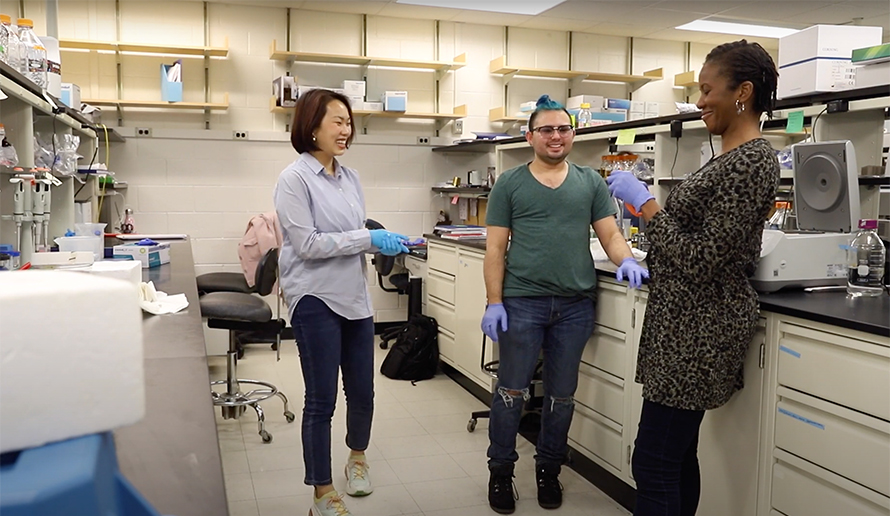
x=865, y=261
x=33, y=52
x=584, y=116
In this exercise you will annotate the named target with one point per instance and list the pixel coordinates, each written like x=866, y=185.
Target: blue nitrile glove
x=625, y=186
x=495, y=315
x=389, y=243
x=632, y=270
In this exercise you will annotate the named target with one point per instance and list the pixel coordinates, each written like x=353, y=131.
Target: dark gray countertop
x=172, y=456
x=871, y=315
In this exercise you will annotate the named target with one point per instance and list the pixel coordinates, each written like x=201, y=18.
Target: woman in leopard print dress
x=702, y=312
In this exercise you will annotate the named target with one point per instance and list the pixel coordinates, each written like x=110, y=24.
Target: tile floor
x=423, y=460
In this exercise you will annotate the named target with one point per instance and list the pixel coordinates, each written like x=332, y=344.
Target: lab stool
x=531, y=410
x=234, y=282
x=239, y=312
x=75, y=477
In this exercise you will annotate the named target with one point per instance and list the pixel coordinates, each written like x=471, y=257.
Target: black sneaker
x=500, y=490
x=549, y=488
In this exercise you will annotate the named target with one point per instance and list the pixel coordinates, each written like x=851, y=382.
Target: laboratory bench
x=172, y=455
x=816, y=361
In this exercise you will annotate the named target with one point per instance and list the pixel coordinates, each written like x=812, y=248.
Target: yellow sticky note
x=626, y=136
x=795, y=122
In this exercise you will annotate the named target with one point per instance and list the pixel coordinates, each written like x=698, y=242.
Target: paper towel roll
x=71, y=360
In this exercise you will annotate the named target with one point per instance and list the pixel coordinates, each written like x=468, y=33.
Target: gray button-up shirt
x=322, y=221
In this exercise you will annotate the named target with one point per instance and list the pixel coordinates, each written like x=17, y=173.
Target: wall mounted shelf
x=312, y=57
x=686, y=79
x=158, y=104
x=120, y=46
x=459, y=112
x=499, y=114
x=499, y=66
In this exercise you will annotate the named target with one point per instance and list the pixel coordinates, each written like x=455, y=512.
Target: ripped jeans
x=560, y=326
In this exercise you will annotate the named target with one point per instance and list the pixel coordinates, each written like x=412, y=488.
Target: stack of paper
x=461, y=232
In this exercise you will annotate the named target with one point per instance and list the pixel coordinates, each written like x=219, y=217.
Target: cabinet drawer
x=612, y=308
x=796, y=492
x=600, y=393
x=849, y=372
x=443, y=314
x=440, y=286
x=446, y=346
x=859, y=450
x=596, y=436
x=442, y=258
x=606, y=350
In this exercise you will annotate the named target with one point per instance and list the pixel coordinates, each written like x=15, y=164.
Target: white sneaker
x=331, y=504
x=358, y=478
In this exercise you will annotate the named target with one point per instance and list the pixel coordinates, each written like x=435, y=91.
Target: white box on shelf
x=372, y=106
x=356, y=102
x=71, y=95
x=595, y=101
x=637, y=106
x=395, y=101
x=636, y=115
x=817, y=59
x=617, y=104
x=652, y=107
x=354, y=88
x=149, y=255
x=285, y=91
x=877, y=74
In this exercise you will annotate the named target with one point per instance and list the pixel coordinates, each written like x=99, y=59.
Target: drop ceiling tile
x=772, y=10
x=617, y=29
x=418, y=11
x=549, y=23
x=488, y=18
x=598, y=11
x=700, y=7
x=346, y=6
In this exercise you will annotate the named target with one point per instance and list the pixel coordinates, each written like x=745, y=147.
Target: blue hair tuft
x=546, y=103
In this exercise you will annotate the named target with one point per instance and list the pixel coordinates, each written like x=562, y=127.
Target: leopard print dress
x=702, y=312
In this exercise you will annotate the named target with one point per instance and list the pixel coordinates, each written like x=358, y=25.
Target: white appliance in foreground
x=826, y=198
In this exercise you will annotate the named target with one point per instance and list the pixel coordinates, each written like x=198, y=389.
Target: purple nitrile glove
x=495, y=315
x=632, y=270
x=625, y=186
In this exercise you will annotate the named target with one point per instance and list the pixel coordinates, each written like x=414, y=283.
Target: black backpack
x=415, y=354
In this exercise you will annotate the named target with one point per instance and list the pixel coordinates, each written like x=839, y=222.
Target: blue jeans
x=329, y=343
x=560, y=326
x=665, y=461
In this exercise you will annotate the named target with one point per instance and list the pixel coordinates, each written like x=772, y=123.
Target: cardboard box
x=617, y=104
x=610, y=115
x=636, y=115
x=817, y=59
x=372, y=106
x=149, y=255
x=637, y=106
x=877, y=74
x=354, y=88
x=395, y=101
x=595, y=101
x=652, y=107
x=285, y=91
x=356, y=102
x=71, y=95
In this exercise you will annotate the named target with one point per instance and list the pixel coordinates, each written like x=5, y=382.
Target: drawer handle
x=798, y=417
x=790, y=351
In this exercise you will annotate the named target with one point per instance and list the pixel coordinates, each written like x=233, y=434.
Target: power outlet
x=458, y=127
x=143, y=131
x=423, y=140
x=239, y=135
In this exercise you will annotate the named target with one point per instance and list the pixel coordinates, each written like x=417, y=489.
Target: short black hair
x=741, y=61
x=309, y=112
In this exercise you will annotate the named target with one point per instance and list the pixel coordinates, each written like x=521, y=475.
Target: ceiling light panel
x=527, y=7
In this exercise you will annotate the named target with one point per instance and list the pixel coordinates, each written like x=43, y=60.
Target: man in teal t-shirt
x=542, y=293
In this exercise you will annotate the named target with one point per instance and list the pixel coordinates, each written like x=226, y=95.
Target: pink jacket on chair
x=262, y=233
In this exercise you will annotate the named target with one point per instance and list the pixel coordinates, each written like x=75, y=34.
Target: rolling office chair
x=239, y=312
x=531, y=410
x=404, y=285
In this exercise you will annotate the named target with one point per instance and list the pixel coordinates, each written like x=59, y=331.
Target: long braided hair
x=741, y=61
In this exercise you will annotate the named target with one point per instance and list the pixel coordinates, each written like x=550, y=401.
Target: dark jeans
x=560, y=326
x=665, y=461
x=329, y=343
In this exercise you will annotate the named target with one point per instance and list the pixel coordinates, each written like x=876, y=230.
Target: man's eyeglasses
x=547, y=130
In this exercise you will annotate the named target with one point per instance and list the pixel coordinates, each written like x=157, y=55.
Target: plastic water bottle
x=10, y=46
x=34, y=54
x=865, y=261
x=584, y=117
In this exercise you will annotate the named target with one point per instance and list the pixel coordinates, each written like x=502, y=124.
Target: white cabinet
x=470, y=307
x=440, y=287
x=827, y=430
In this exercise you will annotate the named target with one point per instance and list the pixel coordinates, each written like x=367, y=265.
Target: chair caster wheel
x=383, y=344
x=289, y=416
x=267, y=437
x=471, y=425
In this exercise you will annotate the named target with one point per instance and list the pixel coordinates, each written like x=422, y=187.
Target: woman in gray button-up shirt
x=321, y=209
